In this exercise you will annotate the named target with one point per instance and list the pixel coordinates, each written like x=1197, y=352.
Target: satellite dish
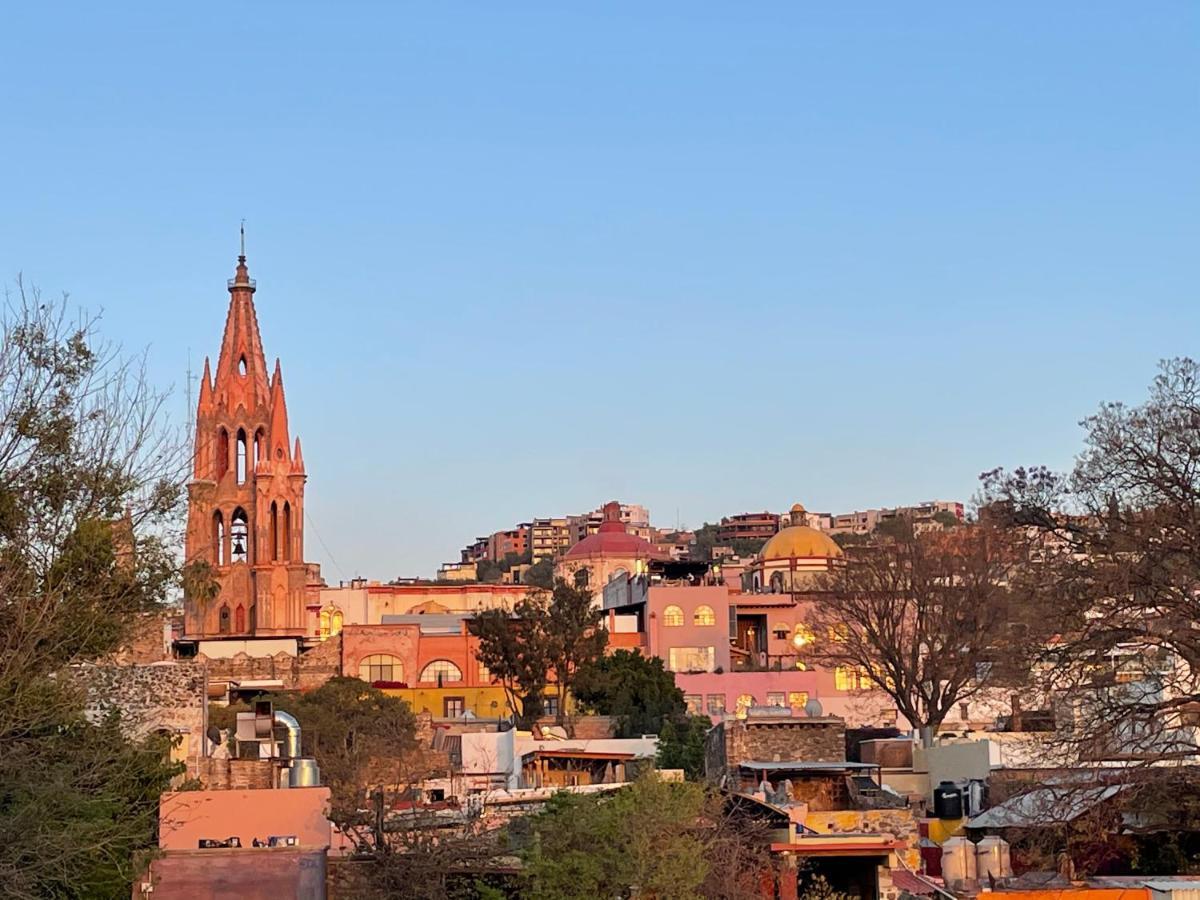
x=813, y=708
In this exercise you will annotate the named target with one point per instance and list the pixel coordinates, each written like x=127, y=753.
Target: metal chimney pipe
x=288, y=721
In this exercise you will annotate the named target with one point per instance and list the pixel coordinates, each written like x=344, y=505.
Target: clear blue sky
x=519, y=260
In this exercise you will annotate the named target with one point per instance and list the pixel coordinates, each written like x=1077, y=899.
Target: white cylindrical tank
x=992, y=858
x=958, y=861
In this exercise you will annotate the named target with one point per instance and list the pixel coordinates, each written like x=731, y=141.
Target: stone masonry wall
x=165, y=696
x=774, y=740
x=224, y=774
x=309, y=670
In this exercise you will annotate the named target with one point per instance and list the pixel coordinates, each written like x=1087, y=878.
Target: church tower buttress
x=246, y=497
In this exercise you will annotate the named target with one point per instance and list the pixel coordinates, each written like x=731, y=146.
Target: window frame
x=424, y=679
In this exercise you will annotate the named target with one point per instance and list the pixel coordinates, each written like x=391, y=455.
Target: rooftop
x=799, y=765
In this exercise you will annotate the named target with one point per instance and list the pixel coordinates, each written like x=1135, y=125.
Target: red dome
x=611, y=539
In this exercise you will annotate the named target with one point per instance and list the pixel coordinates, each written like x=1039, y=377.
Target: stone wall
x=311, y=669
x=773, y=739
x=785, y=738
x=899, y=823
x=166, y=697
x=236, y=774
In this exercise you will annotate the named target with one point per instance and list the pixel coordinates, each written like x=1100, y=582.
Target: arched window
x=218, y=537
x=287, y=531
x=777, y=583
x=222, y=453
x=242, y=366
x=239, y=619
x=335, y=623
x=704, y=615
x=380, y=667
x=241, y=456
x=239, y=536
x=672, y=616
x=582, y=576
x=260, y=446
x=323, y=624
x=441, y=671
x=223, y=620
x=274, y=531
x=619, y=573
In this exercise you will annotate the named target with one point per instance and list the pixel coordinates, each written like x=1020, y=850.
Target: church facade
x=246, y=498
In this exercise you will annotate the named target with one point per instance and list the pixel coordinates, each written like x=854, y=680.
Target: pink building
x=730, y=651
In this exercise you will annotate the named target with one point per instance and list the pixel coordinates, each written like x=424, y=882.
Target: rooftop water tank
x=947, y=801
x=992, y=858
x=958, y=862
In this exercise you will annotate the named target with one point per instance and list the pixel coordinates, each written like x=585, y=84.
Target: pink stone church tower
x=246, y=497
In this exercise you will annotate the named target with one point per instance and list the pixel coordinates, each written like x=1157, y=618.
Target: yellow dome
x=798, y=541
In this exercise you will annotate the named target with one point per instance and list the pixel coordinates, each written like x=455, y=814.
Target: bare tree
x=927, y=618
x=1122, y=572
x=90, y=502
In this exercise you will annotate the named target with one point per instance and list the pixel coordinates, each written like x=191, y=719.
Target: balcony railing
x=767, y=662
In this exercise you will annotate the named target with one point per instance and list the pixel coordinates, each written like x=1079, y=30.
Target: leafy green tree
x=651, y=839
x=359, y=737
x=541, y=574
x=546, y=633
x=90, y=509
x=515, y=651
x=681, y=745
x=576, y=637
x=487, y=571
x=946, y=519
x=637, y=690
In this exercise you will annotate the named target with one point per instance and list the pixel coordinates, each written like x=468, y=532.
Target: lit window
x=716, y=704
x=380, y=667
x=672, y=616
x=849, y=678
x=704, y=615
x=691, y=659
x=839, y=633
x=693, y=702
x=744, y=702
x=797, y=699
x=802, y=636
x=776, y=698
x=485, y=674
x=441, y=671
